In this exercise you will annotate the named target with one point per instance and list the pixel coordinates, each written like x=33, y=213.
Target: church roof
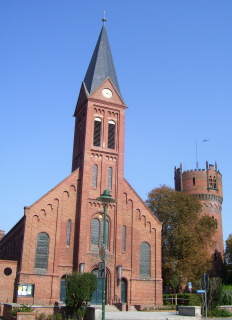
x=101, y=65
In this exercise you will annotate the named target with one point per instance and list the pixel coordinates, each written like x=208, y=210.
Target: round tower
x=206, y=184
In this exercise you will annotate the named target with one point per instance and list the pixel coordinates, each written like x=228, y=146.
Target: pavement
x=141, y=315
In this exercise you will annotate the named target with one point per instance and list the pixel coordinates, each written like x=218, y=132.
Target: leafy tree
x=79, y=290
x=228, y=258
x=186, y=235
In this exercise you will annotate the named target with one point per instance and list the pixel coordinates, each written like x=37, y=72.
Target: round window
x=7, y=271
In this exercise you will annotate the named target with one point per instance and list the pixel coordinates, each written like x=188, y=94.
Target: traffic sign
x=102, y=270
x=200, y=291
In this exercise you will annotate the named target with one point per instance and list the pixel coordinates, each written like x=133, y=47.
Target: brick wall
x=7, y=280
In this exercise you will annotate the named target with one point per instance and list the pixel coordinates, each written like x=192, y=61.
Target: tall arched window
x=145, y=259
x=95, y=174
x=97, y=232
x=111, y=134
x=123, y=238
x=68, y=233
x=97, y=132
x=42, y=248
x=110, y=178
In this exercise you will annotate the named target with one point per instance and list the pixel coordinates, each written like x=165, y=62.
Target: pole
x=206, y=307
x=104, y=260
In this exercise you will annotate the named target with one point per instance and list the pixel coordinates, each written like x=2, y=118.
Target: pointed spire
x=101, y=65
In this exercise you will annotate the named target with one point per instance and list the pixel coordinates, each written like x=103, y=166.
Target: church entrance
x=124, y=290
x=97, y=296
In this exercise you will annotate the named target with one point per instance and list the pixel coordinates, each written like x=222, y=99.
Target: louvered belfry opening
x=97, y=132
x=111, y=135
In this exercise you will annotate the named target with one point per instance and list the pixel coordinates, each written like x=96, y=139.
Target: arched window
x=97, y=132
x=110, y=178
x=68, y=233
x=97, y=233
x=111, y=134
x=123, y=238
x=42, y=248
x=145, y=259
x=95, y=174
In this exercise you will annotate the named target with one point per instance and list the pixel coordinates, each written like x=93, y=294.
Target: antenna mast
x=196, y=155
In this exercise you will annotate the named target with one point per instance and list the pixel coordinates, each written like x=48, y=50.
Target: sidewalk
x=141, y=315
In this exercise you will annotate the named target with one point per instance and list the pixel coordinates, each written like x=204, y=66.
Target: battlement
x=193, y=170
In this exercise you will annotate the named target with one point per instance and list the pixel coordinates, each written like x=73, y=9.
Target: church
x=63, y=230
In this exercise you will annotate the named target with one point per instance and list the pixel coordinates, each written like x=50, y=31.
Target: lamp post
x=105, y=199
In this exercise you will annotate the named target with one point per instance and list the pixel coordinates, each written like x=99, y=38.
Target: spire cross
x=104, y=18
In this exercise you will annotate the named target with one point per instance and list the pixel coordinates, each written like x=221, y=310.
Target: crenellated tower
x=206, y=184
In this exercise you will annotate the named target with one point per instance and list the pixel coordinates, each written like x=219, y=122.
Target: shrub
x=23, y=308
x=79, y=291
x=226, y=295
x=219, y=313
x=186, y=299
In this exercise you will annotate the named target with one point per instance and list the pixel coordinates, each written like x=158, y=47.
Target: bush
x=23, y=308
x=79, y=290
x=55, y=316
x=186, y=299
x=226, y=296
x=219, y=313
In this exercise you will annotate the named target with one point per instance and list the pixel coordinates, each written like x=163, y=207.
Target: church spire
x=101, y=65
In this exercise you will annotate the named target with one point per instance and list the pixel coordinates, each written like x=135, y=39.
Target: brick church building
x=62, y=231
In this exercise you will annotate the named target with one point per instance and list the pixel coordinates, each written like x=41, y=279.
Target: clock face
x=107, y=93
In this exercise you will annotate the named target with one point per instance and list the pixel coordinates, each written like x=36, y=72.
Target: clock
x=107, y=93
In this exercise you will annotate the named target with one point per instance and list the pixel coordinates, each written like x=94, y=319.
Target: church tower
x=206, y=185
x=98, y=151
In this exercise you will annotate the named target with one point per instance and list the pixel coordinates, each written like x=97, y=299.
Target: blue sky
x=174, y=66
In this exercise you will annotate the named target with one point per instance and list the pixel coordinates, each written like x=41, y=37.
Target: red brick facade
x=58, y=229
x=7, y=280
x=206, y=184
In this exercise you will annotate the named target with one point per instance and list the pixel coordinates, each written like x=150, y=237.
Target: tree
x=186, y=235
x=79, y=290
x=228, y=258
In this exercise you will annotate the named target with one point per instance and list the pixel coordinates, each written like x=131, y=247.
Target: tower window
x=212, y=182
x=110, y=178
x=95, y=174
x=194, y=182
x=111, y=134
x=145, y=259
x=42, y=246
x=97, y=132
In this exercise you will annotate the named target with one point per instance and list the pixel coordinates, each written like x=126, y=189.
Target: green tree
x=79, y=290
x=186, y=235
x=228, y=258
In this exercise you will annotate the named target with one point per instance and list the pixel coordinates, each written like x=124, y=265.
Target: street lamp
x=105, y=199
